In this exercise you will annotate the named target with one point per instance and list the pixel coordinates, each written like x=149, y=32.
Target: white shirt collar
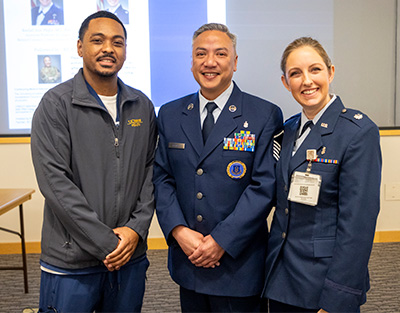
x=304, y=118
x=220, y=101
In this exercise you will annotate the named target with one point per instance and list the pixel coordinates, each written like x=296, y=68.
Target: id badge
x=304, y=188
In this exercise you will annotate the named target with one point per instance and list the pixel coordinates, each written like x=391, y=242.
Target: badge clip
x=311, y=154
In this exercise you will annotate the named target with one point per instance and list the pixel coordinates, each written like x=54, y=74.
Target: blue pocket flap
x=323, y=247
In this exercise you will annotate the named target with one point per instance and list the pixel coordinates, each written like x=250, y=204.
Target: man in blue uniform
x=214, y=180
x=47, y=13
x=118, y=10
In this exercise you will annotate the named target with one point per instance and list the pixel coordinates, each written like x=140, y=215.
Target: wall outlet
x=392, y=191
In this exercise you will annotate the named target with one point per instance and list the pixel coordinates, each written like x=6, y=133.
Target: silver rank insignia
x=246, y=124
x=358, y=116
x=324, y=125
x=232, y=108
x=190, y=106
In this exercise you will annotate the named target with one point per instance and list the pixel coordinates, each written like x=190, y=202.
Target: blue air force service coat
x=318, y=255
x=217, y=191
x=55, y=16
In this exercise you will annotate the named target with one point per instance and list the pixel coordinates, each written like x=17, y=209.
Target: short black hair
x=99, y=14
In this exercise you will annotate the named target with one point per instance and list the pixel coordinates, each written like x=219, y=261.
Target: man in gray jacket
x=93, y=141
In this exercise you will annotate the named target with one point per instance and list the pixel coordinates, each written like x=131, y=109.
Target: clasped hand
x=202, y=251
x=128, y=241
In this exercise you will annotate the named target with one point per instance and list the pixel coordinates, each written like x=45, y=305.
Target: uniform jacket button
x=199, y=218
x=199, y=195
x=283, y=235
x=200, y=171
x=286, y=211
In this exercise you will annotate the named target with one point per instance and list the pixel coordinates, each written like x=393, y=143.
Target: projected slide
x=41, y=49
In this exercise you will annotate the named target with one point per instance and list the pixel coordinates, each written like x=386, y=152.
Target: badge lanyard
x=304, y=186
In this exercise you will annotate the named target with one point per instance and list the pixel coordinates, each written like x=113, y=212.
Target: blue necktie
x=209, y=121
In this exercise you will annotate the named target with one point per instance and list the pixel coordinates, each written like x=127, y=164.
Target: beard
x=106, y=74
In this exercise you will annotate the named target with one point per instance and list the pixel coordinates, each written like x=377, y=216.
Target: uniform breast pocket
x=323, y=247
x=237, y=155
x=324, y=167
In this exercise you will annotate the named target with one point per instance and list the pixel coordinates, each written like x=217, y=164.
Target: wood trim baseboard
x=387, y=236
x=34, y=247
x=160, y=243
x=15, y=140
x=389, y=132
x=15, y=247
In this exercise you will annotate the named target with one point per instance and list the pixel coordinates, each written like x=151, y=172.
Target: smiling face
x=307, y=77
x=214, y=61
x=47, y=61
x=103, y=49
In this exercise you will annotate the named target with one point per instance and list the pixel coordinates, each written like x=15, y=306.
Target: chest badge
x=236, y=169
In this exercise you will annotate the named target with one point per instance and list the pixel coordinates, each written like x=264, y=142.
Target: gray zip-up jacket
x=93, y=175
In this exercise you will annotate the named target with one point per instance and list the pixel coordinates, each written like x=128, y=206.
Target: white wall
x=16, y=171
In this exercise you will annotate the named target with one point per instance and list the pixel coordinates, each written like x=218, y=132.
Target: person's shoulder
x=122, y=10
x=133, y=91
x=293, y=119
x=56, y=8
x=60, y=89
x=356, y=117
x=252, y=100
x=178, y=104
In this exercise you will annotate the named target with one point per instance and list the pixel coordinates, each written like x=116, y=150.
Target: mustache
x=106, y=55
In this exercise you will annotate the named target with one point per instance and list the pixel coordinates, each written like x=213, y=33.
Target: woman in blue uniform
x=328, y=186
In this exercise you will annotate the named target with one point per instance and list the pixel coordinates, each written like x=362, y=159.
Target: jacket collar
x=223, y=127
x=325, y=126
x=81, y=95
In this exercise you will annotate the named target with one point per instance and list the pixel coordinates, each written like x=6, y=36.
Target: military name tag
x=304, y=188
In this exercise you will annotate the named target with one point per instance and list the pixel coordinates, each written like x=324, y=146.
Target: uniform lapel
x=324, y=126
x=289, y=137
x=225, y=124
x=313, y=141
x=191, y=123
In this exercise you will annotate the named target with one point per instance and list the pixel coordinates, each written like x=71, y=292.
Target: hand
x=207, y=254
x=322, y=311
x=128, y=241
x=187, y=238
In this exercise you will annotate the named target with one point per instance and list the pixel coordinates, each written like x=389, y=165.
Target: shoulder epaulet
x=355, y=116
x=296, y=116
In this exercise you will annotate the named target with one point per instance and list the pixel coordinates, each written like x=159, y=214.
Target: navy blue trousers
x=192, y=301
x=117, y=291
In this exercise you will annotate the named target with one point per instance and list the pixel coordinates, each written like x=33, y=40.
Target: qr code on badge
x=303, y=190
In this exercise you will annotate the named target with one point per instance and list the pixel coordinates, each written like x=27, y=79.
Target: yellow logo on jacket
x=135, y=122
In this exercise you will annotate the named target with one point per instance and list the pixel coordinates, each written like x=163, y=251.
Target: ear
x=331, y=73
x=79, y=47
x=284, y=82
x=236, y=60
